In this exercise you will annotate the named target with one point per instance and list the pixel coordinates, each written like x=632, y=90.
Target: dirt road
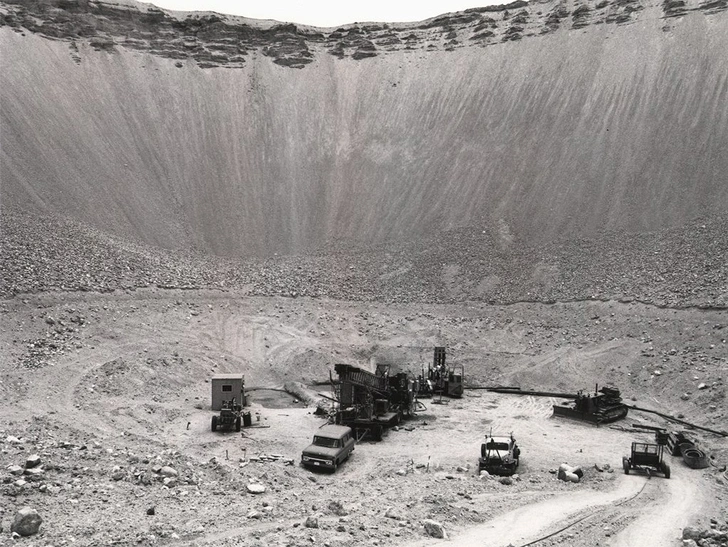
x=531, y=522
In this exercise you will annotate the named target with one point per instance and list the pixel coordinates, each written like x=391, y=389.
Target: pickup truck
x=332, y=444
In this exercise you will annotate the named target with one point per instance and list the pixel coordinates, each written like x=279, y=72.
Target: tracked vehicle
x=603, y=407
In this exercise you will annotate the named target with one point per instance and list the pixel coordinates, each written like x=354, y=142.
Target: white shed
x=226, y=387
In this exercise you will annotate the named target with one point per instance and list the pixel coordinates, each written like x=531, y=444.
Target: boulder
x=691, y=532
x=578, y=471
x=27, y=521
x=392, y=513
x=312, y=522
x=434, y=529
x=337, y=508
x=570, y=474
x=168, y=471
x=569, y=477
x=34, y=474
x=256, y=488
x=32, y=461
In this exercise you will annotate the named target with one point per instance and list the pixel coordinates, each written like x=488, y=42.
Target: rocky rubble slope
x=675, y=268
x=714, y=536
x=170, y=496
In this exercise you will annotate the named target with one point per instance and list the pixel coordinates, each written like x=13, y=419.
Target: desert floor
x=109, y=388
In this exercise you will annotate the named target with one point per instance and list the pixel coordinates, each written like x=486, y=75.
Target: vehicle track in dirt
x=580, y=518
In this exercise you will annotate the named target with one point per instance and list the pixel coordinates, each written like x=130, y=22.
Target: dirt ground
x=110, y=389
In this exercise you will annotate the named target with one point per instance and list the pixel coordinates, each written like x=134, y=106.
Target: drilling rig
x=369, y=403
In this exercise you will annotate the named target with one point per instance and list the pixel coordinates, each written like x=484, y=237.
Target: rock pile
x=715, y=536
x=671, y=268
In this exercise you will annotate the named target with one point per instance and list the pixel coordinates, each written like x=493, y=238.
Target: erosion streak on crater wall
x=570, y=132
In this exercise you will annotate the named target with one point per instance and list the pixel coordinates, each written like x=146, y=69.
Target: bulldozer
x=604, y=406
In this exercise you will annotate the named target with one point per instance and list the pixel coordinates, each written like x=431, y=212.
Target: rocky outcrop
x=713, y=536
x=215, y=40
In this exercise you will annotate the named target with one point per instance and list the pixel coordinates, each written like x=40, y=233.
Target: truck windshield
x=326, y=442
x=497, y=446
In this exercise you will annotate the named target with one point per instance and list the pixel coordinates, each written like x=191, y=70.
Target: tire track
x=536, y=522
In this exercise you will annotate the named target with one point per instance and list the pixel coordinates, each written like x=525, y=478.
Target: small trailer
x=646, y=458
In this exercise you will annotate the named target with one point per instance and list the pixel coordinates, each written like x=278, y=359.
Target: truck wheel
x=666, y=470
x=377, y=431
x=214, y=423
x=625, y=465
x=237, y=423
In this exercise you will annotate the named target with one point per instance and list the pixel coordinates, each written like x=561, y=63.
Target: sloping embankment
x=554, y=135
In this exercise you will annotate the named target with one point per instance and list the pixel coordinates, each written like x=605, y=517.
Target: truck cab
x=332, y=444
x=499, y=455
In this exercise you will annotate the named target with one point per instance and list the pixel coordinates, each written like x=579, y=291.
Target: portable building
x=226, y=387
